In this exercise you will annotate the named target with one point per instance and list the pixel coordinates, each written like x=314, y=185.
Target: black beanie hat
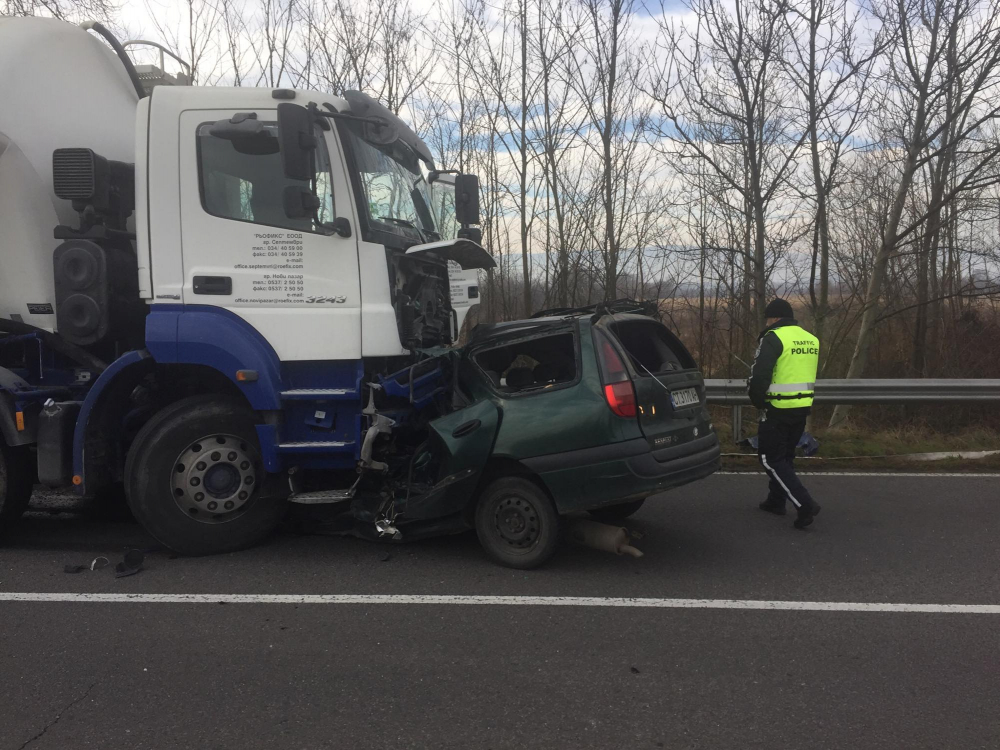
x=778, y=308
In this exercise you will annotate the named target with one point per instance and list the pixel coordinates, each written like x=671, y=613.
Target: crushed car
x=589, y=409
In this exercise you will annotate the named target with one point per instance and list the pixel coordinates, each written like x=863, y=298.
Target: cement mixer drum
x=60, y=87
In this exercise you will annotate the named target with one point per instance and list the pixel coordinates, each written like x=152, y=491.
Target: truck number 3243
x=338, y=300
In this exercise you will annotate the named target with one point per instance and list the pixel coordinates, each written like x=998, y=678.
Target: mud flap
x=463, y=441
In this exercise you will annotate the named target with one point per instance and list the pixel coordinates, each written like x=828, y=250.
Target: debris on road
x=602, y=536
x=131, y=565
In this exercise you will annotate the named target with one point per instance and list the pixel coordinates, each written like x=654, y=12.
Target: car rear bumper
x=620, y=472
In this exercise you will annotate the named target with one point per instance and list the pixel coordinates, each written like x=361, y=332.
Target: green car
x=575, y=411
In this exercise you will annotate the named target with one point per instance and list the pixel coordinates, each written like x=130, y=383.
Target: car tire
x=195, y=480
x=516, y=523
x=619, y=512
x=16, y=484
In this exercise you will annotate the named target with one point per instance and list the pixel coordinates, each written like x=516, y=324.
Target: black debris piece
x=131, y=565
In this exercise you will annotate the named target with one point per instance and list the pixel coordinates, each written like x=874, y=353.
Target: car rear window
x=651, y=346
x=530, y=364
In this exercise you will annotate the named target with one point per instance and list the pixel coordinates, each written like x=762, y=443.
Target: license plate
x=684, y=397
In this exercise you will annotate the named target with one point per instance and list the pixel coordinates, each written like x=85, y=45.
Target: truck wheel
x=16, y=478
x=619, y=512
x=195, y=479
x=516, y=523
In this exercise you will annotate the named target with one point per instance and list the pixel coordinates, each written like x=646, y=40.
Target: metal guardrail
x=872, y=391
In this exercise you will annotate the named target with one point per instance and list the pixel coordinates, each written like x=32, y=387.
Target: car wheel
x=16, y=476
x=619, y=512
x=516, y=523
x=195, y=479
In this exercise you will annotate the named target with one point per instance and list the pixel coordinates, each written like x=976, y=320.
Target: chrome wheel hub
x=215, y=477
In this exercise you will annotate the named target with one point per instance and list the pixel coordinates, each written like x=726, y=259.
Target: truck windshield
x=396, y=197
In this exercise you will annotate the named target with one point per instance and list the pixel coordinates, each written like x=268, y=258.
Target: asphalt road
x=206, y=675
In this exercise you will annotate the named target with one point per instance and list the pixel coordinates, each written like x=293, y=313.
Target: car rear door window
x=533, y=364
x=651, y=346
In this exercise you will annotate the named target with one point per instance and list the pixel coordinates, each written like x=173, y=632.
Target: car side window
x=250, y=186
x=533, y=364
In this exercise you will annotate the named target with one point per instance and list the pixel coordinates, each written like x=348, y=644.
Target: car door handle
x=466, y=429
x=213, y=285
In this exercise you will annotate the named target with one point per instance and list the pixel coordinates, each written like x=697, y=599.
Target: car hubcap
x=516, y=522
x=215, y=478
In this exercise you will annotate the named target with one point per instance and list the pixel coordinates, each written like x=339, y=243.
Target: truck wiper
x=412, y=225
x=401, y=222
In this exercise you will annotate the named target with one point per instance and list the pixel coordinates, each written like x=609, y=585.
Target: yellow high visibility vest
x=794, y=378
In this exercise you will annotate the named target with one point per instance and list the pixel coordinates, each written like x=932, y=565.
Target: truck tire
x=620, y=512
x=195, y=479
x=16, y=477
x=516, y=523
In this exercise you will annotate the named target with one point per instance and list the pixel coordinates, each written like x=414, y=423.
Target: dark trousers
x=777, y=436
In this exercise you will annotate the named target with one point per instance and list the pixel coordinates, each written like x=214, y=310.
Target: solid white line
x=921, y=474
x=516, y=601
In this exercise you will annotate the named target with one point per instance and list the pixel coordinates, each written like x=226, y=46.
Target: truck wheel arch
x=103, y=412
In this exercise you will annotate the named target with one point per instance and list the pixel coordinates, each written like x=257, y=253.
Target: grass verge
x=881, y=450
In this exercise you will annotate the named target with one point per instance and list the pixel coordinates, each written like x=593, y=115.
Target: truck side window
x=250, y=187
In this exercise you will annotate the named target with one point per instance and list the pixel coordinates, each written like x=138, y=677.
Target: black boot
x=773, y=506
x=806, y=515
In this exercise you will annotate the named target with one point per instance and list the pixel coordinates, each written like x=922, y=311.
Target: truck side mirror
x=467, y=199
x=247, y=134
x=299, y=202
x=298, y=141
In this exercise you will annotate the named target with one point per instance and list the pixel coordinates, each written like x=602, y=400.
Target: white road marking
x=514, y=601
x=874, y=474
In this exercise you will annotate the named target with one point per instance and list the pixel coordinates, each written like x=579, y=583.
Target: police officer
x=781, y=385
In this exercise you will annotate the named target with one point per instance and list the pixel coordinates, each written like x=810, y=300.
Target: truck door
x=296, y=285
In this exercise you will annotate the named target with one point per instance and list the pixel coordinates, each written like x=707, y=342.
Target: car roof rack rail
x=614, y=307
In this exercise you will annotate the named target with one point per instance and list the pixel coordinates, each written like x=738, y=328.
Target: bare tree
x=726, y=104
x=940, y=89
x=830, y=62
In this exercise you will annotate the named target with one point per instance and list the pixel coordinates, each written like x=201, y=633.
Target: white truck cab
x=216, y=232
x=258, y=301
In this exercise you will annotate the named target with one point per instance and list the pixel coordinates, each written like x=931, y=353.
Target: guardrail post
x=737, y=423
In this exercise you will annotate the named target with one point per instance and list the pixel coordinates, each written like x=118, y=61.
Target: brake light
x=618, y=390
x=621, y=398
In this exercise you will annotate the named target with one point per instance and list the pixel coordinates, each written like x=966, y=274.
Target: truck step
x=320, y=394
x=321, y=498
x=332, y=446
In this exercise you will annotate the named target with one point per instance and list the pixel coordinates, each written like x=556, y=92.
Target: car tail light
x=618, y=390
